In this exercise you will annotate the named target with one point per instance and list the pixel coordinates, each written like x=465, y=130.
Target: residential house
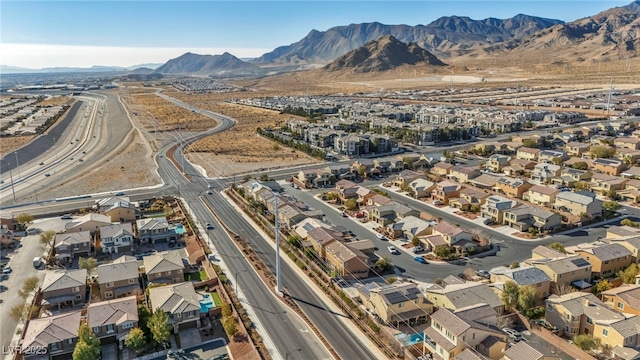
x=545, y=173
x=525, y=217
x=405, y=177
x=632, y=143
x=570, y=176
x=165, y=267
x=308, y=224
x=116, y=238
x=624, y=298
x=576, y=148
x=62, y=288
x=451, y=234
x=409, y=227
x=605, y=259
x=609, y=166
x=112, y=320
x=378, y=200
x=118, y=279
x=512, y=188
x=442, y=168
x=523, y=276
x=580, y=203
x=69, y=246
x=58, y=334
x=576, y=313
x=522, y=350
x=89, y=222
x=320, y=237
x=565, y=272
x=462, y=294
x=495, y=206
x=603, y=184
x=526, y=153
x=346, y=190
x=621, y=231
x=485, y=181
x=7, y=220
x=104, y=204
x=541, y=195
x=421, y=188
x=392, y=211
x=468, y=198
x=397, y=303
x=340, y=171
x=497, y=162
x=620, y=336
x=154, y=230
x=122, y=211
x=445, y=191
x=556, y=157
x=632, y=243
x=519, y=167
x=463, y=174
x=347, y=262
x=290, y=215
x=450, y=334
x=543, y=252
x=180, y=302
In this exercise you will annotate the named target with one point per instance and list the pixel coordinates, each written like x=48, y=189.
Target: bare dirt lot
x=240, y=150
x=10, y=143
x=56, y=100
x=167, y=115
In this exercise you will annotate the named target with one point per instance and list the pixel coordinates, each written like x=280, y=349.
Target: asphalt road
x=21, y=261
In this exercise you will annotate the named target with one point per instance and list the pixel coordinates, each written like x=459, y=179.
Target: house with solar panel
x=400, y=302
x=606, y=259
x=569, y=271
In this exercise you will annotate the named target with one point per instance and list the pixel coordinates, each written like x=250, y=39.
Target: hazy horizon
x=126, y=33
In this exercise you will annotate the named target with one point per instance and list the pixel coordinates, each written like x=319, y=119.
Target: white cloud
x=40, y=55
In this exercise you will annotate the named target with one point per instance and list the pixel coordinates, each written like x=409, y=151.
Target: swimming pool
x=409, y=340
x=179, y=229
x=206, y=303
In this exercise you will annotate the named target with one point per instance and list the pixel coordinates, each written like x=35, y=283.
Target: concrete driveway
x=21, y=261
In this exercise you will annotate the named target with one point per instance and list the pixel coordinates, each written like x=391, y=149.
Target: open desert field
x=9, y=144
x=56, y=100
x=166, y=115
x=240, y=150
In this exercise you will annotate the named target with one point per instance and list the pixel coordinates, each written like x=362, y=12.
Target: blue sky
x=83, y=33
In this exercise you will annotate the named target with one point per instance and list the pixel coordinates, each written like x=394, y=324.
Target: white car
x=513, y=334
x=392, y=249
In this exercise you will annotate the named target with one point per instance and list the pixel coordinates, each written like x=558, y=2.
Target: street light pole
x=278, y=270
x=237, y=279
x=286, y=356
x=18, y=165
x=13, y=190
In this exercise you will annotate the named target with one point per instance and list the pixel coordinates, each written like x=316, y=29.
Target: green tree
x=144, y=315
x=514, y=265
x=24, y=219
x=629, y=222
x=362, y=170
x=611, y=205
x=628, y=275
x=442, y=251
x=586, y=342
x=612, y=194
x=530, y=143
x=135, y=339
x=510, y=294
x=20, y=312
x=159, y=326
x=383, y=264
x=556, y=246
x=416, y=241
x=601, y=285
x=475, y=208
x=28, y=286
x=46, y=238
x=526, y=297
x=264, y=177
x=295, y=241
x=88, y=263
x=88, y=346
x=351, y=204
x=601, y=151
x=230, y=326
x=580, y=165
x=581, y=185
x=408, y=162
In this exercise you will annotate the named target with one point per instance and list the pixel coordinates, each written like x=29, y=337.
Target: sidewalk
x=355, y=330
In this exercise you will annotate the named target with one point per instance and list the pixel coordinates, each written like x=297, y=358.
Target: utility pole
x=609, y=97
x=13, y=190
x=278, y=270
x=18, y=165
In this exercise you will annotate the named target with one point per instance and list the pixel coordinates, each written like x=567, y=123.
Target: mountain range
x=8, y=69
x=383, y=54
x=205, y=64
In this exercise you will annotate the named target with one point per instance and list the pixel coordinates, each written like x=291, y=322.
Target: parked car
x=484, y=273
x=119, y=193
x=418, y=249
x=209, y=226
x=47, y=174
x=7, y=270
x=66, y=217
x=381, y=237
x=420, y=259
x=392, y=249
x=344, y=214
x=514, y=335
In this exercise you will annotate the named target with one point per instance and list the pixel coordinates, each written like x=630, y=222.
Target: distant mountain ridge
x=383, y=54
x=444, y=37
x=8, y=69
x=191, y=63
